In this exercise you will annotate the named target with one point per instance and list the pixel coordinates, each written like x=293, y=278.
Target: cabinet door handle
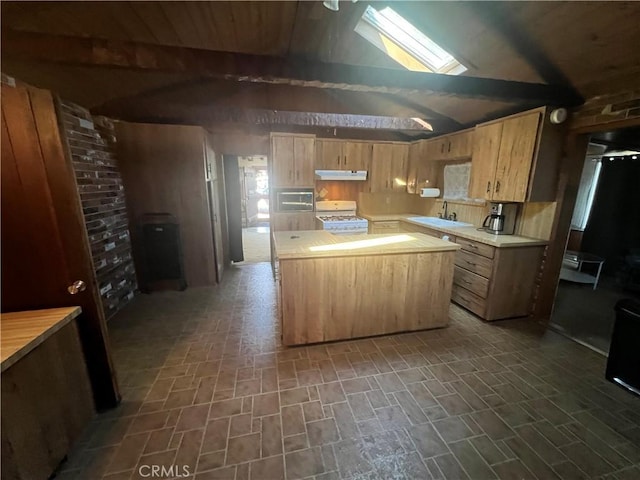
x=488, y=187
x=467, y=282
x=338, y=157
x=497, y=186
x=470, y=263
x=442, y=148
x=345, y=160
x=449, y=147
x=472, y=245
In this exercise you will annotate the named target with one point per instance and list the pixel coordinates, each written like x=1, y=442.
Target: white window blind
x=586, y=192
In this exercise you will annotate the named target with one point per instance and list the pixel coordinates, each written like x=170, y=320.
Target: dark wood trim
x=606, y=126
x=270, y=69
x=569, y=181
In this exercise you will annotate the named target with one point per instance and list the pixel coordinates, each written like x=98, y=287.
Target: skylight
x=403, y=42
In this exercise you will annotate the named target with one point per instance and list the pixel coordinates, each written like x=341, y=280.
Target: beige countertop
x=24, y=331
x=386, y=217
x=470, y=233
x=319, y=244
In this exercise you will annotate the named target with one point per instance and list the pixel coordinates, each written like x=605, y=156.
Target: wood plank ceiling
x=590, y=46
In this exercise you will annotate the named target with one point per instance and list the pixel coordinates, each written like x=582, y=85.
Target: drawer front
x=475, y=283
x=476, y=247
x=475, y=263
x=391, y=225
x=468, y=300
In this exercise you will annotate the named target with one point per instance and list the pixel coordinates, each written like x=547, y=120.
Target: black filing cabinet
x=160, y=234
x=623, y=365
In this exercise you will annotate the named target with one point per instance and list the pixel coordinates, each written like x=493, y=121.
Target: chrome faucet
x=444, y=207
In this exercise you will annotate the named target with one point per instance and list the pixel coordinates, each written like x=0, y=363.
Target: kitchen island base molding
x=336, y=298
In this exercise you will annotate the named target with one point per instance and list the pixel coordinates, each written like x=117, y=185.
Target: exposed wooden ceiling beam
x=145, y=110
x=330, y=120
x=269, y=69
x=446, y=124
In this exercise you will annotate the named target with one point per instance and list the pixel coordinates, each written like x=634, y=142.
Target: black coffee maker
x=502, y=219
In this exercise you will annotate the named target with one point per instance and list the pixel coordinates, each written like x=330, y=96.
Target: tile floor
x=206, y=387
x=256, y=246
x=588, y=315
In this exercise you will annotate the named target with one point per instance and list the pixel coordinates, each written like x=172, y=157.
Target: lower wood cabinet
x=46, y=405
x=293, y=221
x=392, y=226
x=494, y=283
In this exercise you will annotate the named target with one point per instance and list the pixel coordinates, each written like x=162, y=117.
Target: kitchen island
x=334, y=287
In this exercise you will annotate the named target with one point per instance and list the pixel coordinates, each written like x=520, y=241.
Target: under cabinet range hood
x=353, y=175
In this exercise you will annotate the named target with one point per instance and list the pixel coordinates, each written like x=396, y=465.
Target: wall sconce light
x=331, y=5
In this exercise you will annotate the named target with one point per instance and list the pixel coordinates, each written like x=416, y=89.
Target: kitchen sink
x=439, y=222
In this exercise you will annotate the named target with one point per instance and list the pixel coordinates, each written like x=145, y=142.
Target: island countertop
x=319, y=244
x=24, y=331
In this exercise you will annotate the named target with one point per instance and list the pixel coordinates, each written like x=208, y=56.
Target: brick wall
x=607, y=108
x=91, y=141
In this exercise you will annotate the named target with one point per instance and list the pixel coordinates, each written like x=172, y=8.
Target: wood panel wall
x=163, y=170
x=92, y=147
x=236, y=142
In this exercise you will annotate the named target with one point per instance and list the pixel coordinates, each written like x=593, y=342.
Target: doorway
x=248, y=210
x=601, y=263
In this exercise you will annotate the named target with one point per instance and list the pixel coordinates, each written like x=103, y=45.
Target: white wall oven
x=294, y=199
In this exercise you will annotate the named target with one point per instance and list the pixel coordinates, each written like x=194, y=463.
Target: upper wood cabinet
x=485, y=157
x=422, y=172
x=342, y=155
x=515, y=159
x=292, y=160
x=517, y=144
x=389, y=162
x=455, y=146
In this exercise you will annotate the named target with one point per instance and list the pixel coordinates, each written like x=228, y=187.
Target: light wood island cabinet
x=339, y=287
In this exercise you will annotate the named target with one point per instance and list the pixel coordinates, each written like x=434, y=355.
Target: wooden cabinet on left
x=46, y=394
x=293, y=221
x=292, y=160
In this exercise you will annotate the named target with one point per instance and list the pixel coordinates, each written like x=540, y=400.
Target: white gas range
x=339, y=217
